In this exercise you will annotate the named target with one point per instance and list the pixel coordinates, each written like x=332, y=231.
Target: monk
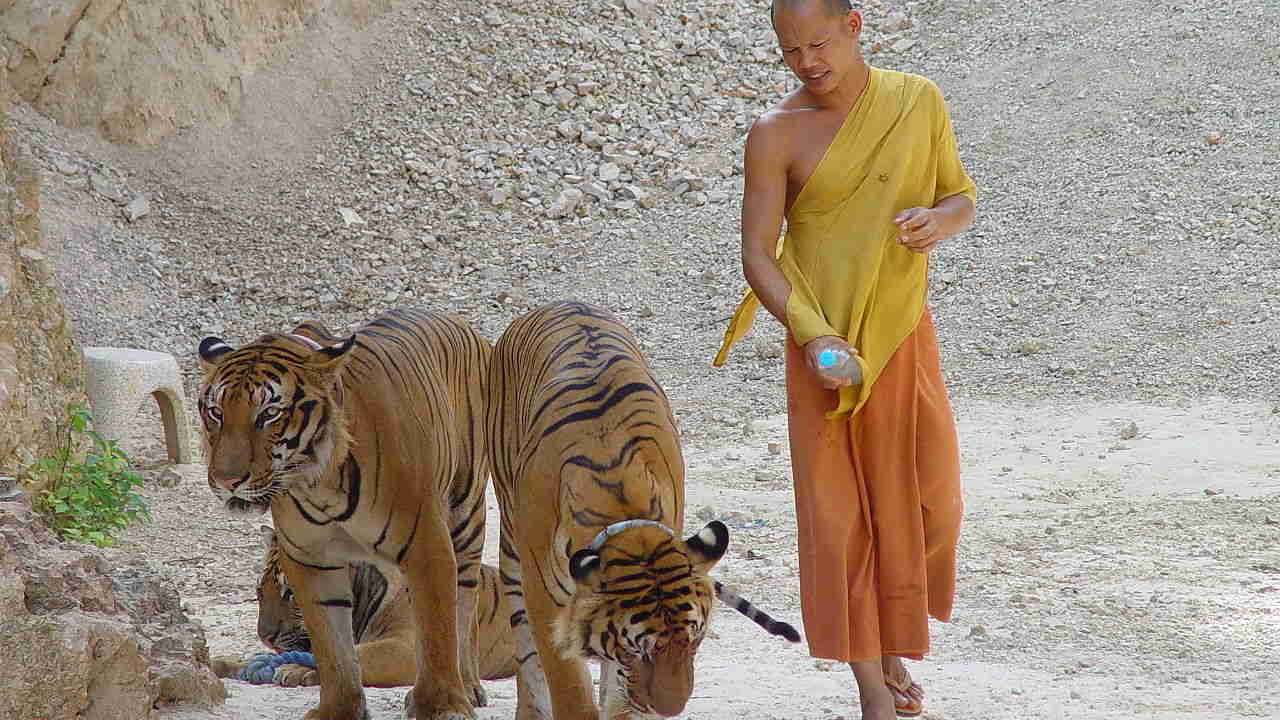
x=863, y=166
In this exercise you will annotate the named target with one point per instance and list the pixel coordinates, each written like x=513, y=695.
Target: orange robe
x=878, y=506
x=876, y=465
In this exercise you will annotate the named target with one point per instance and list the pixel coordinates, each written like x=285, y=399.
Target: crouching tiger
x=381, y=623
x=365, y=449
x=590, y=483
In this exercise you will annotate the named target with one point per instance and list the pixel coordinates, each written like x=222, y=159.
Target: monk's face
x=818, y=45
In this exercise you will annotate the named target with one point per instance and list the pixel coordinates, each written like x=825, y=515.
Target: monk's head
x=818, y=40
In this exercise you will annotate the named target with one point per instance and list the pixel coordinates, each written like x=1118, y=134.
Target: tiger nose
x=226, y=481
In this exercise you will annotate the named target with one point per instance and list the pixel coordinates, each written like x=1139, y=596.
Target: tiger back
x=589, y=477
x=367, y=449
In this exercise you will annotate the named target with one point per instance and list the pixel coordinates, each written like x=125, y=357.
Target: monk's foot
x=908, y=696
x=879, y=707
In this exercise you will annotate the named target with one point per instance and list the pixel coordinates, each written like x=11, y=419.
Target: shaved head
x=834, y=7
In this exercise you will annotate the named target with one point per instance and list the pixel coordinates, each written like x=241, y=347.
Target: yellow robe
x=849, y=276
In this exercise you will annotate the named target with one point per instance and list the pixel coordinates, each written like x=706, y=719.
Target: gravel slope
x=1123, y=268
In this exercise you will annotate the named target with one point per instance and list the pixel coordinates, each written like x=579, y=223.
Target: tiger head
x=643, y=600
x=280, y=625
x=272, y=415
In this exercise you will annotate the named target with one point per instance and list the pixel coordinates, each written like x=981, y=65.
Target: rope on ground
x=261, y=670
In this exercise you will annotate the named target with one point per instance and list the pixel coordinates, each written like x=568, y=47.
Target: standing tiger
x=367, y=449
x=590, y=483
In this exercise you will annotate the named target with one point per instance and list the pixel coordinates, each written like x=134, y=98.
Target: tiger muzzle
x=668, y=680
x=226, y=481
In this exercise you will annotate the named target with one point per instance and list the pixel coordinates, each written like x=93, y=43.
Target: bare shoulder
x=775, y=127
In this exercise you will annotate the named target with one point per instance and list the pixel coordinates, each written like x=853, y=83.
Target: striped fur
x=367, y=449
x=382, y=625
x=582, y=440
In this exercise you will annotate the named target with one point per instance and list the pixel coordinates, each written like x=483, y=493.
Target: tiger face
x=280, y=624
x=643, y=601
x=272, y=416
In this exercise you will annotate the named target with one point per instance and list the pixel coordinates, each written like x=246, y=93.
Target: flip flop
x=908, y=696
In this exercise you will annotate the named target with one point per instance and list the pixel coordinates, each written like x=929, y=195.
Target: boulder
x=91, y=634
x=141, y=71
x=41, y=368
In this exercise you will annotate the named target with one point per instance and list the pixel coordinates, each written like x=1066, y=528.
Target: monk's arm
x=923, y=228
x=764, y=197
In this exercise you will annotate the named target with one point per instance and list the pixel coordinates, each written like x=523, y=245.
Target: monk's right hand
x=815, y=348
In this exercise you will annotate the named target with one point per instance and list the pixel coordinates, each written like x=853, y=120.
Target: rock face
x=89, y=633
x=41, y=369
x=141, y=71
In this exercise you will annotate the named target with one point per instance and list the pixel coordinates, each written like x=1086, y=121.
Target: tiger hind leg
x=468, y=556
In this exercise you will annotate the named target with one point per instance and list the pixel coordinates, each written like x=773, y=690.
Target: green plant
x=89, y=499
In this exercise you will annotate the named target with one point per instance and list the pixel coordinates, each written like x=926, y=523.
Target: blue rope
x=261, y=669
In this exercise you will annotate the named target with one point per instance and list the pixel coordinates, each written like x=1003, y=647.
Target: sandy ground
x=1108, y=330
x=1116, y=561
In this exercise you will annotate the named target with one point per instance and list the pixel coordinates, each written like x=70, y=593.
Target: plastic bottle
x=839, y=365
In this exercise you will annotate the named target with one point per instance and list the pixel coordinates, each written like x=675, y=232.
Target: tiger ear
x=584, y=564
x=333, y=357
x=708, y=546
x=268, y=536
x=211, y=350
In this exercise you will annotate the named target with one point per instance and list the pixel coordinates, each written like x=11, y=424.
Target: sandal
x=908, y=696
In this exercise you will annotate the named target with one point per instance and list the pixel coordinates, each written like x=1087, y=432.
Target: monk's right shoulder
x=775, y=128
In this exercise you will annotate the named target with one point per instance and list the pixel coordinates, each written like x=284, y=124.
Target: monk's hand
x=815, y=347
x=918, y=229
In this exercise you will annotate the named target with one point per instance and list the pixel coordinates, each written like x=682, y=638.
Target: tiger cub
x=367, y=449
x=382, y=623
x=590, y=483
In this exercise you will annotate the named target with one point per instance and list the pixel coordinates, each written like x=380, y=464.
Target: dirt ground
x=1116, y=561
x=1108, y=328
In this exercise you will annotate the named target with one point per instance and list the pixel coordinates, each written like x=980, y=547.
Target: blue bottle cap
x=827, y=358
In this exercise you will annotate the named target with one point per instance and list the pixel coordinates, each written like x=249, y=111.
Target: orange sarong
x=878, y=505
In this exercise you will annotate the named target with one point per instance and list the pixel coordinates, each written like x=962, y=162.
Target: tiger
x=368, y=448
x=382, y=624
x=589, y=477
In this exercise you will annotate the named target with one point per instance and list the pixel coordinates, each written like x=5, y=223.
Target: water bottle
x=839, y=365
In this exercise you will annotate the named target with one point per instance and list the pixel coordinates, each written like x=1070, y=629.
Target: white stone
x=118, y=380
x=610, y=172
x=138, y=208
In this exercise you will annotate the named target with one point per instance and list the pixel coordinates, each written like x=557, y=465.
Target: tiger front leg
x=324, y=596
x=568, y=679
x=388, y=662
x=533, y=701
x=430, y=571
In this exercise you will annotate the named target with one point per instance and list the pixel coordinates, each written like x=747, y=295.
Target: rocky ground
x=1109, y=327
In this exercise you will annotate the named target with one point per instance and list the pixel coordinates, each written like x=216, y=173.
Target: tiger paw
x=413, y=712
x=295, y=676
x=318, y=713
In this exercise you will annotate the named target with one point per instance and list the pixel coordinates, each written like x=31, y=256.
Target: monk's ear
x=853, y=20
x=708, y=546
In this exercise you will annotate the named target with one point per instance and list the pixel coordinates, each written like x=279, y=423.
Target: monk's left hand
x=919, y=229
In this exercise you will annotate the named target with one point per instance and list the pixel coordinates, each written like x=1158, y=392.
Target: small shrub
x=90, y=499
